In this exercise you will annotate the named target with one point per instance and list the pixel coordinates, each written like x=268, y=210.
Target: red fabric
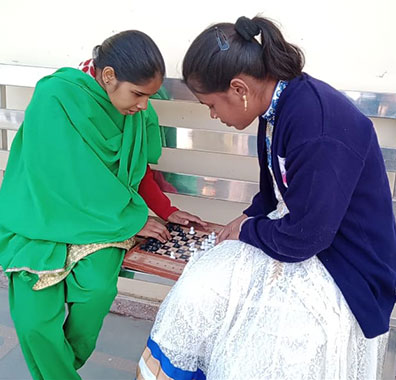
x=155, y=199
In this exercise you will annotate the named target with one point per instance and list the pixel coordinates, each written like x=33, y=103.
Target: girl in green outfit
x=69, y=200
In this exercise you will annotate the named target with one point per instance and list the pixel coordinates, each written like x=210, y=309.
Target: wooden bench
x=213, y=170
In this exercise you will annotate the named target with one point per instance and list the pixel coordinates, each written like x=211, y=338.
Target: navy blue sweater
x=338, y=196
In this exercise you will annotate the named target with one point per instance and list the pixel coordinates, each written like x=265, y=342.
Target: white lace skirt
x=236, y=313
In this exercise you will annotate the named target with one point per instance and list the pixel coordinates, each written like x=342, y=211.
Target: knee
x=101, y=293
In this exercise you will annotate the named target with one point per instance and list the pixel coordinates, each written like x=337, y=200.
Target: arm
x=155, y=199
x=149, y=189
x=322, y=175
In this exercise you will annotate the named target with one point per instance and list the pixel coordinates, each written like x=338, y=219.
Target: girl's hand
x=183, y=217
x=231, y=230
x=154, y=229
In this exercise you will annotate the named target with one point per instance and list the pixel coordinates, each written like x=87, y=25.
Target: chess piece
x=192, y=231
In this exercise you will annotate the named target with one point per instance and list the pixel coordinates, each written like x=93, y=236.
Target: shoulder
x=310, y=109
x=62, y=80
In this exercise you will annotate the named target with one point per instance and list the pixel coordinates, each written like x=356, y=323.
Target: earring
x=245, y=102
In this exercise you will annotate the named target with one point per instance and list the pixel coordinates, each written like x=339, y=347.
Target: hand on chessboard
x=183, y=217
x=231, y=230
x=155, y=229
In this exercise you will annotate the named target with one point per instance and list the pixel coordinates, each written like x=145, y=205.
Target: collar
x=269, y=115
x=88, y=67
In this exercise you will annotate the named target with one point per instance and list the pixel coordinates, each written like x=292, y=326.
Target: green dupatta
x=73, y=173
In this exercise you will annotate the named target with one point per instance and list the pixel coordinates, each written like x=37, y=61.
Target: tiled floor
x=120, y=344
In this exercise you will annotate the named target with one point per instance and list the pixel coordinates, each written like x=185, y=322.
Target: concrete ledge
x=135, y=308
x=3, y=280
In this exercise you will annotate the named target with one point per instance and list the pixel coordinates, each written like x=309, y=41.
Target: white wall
x=348, y=43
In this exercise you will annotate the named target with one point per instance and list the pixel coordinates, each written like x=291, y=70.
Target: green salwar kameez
x=69, y=207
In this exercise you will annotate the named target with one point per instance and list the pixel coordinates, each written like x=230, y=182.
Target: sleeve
x=322, y=176
x=264, y=201
x=255, y=207
x=155, y=199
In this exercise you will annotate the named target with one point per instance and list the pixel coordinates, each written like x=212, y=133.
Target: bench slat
x=3, y=159
x=389, y=155
x=11, y=119
x=372, y=104
x=207, y=187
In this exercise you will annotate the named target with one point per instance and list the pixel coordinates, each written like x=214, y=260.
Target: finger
x=196, y=219
x=160, y=231
x=222, y=235
x=179, y=219
x=158, y=236
x=164, y=233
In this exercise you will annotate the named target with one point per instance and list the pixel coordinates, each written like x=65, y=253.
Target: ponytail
x=253, y=47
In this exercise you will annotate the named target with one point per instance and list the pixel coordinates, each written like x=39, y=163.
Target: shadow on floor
x=119, y=346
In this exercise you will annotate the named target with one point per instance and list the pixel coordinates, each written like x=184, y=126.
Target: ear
x=108, y=74
x=239, y=87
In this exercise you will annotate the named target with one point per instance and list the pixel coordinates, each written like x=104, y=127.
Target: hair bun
x=96, y=51
x=246, y=28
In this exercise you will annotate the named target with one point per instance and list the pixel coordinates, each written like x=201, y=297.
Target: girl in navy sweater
x=304, y=282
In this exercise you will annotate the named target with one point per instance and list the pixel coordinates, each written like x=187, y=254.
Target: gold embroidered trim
x=74, y=254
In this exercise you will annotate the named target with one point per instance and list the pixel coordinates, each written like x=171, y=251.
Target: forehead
x=212, y=98
x=148, y=88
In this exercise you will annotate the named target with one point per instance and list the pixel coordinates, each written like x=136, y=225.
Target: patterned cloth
x=236, y=313
x=75, y=253
x=269, y=115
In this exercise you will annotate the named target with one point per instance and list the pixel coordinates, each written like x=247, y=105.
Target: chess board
x=168, y=259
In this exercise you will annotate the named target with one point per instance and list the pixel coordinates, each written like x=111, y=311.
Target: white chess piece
x=172, y=255
x=192, y=231
x=193, y=252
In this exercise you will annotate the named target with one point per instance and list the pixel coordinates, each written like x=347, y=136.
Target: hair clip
x=221, y=39
x=259, y=38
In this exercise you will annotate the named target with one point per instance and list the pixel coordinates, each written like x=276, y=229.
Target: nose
x=213, y=114
x=142, y=105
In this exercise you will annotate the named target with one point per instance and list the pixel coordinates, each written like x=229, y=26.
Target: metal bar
x=142, y=276
x=3, y=104
x=372, y=104
x=206, y=187
x=191, y=139
x=210, y=141
x=394, y=196
x=3, y=159
x=3, y=140
x=389, y=371
x=11, y=119
x=389, y=155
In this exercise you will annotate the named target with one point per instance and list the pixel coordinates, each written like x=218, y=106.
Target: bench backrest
x=181, y=135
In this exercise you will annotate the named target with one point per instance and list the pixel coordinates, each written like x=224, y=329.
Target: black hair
x=133, y=55
x=225, y=50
